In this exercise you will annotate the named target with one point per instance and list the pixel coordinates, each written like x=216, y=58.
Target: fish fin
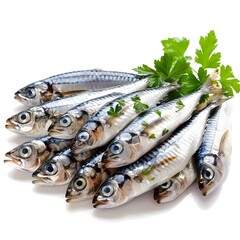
x=225, y=147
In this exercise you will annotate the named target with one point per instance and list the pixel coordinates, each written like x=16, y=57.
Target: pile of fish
x=111, y=138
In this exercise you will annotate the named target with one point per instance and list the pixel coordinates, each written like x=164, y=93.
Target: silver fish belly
x=215, y=151
x=176, y=185
x=35, y=121
x=155, y=167
x=114, y=116
x=57, y=170
x=31, y=155
x=68, y=124
x=150, y=129
x=68, y=83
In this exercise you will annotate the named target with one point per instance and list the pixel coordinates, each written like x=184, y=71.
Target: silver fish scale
x=60, y=106
x=92, y=105
x=216, y=126
x=183, y=144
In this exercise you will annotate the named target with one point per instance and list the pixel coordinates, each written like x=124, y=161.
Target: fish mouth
x=11, y=126
x=12, y=161
x=109, y=163
x=97, y=203
x=18, y=96
x=41, y=180
x=162, y=198
x=72, y=198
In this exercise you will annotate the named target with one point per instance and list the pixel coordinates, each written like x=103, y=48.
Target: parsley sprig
x=175, y=66
x=138, y=105
x=116, y=111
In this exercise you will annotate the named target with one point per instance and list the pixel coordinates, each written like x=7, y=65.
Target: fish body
x=32, y=154
x=68, y=124
x=57, y=170
x=150, y=129
x=35, y=121
x=88, y=178
x=176, y=185
x=103, y=125
x=155, y=167
x=72, y=82
x=215, y=151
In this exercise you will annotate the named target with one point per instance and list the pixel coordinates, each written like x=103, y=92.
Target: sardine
x=155, y=167
x=68, y=124
x=150, y=129
x=104, y=125
x=68, y=83
x=88, y=179
x=31, y=155
x=215, y=151
x=176, y=185
x=36, y=121
x=57, y=170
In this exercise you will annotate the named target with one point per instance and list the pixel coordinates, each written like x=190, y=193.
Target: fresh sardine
x=155, y=167
x=114, y=116
x=30, y=155
x=176, y=185
x=68, y=124
x=215, y=151
x=150, y=129
x=35, y=121
x=57, y=170
x=68, y=83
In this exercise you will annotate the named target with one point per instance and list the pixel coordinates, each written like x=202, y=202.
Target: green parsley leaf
x=179, y=105
x=147, y=170
x=116, y=112
x=205, y=55
x=145, y=124
x=155, y=81
x=138, y=105
x=175, y=46
x=202, y=75
x=158, y=112
x=228, y=81
x=152, y=136
x=165, y=131
x=204, y=98
x=144, y=70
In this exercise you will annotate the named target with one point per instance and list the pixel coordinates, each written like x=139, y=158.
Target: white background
x=42, y=38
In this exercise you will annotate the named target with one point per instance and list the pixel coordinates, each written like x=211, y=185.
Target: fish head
x=84, y=184
x=89, y=137
x=34, y=94
x=68, y=124
x=29, y=122
x=122, y=150
x=56, y=171
x=113, y=192
x=28, y=156
x=211, y=174
x=169, y=190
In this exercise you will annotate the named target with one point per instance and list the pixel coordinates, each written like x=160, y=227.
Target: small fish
x=68, y=124
x=155, y=167
x=150, y=129
x=176, y=185
x=114, y=116
x=31, y=155
x=88, y=179
x=215, y=151
x=65, y=84
x=35, y=121
x=57, y=170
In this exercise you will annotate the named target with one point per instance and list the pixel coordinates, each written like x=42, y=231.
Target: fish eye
x=166, y=185
x=65, y=121
x=30, y=92
x=83, y=136
x=25, y=151
x=51, y=168
x=24, y=117
x=208, y=173
x=80, y=183
x=116, y=148
x=107, y=190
